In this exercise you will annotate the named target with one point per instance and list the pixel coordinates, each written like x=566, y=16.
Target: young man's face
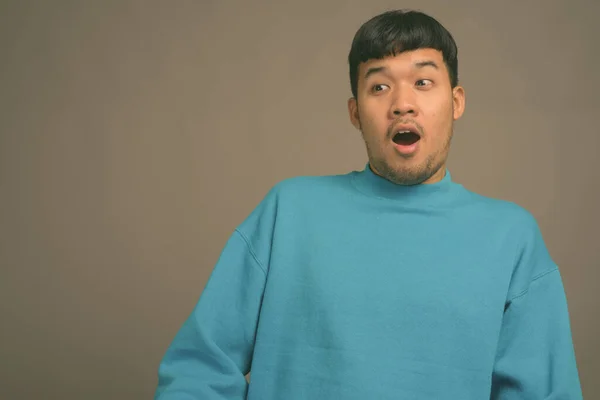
x=408, y=92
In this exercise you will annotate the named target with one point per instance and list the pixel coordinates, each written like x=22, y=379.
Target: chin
x=401, y=175
x=410, y=171
x=410, y=178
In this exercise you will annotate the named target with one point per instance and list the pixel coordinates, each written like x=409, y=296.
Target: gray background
x=135, y=135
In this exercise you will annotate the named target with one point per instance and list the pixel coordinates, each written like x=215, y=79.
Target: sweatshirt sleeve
x=535, y=356
x=211, y=353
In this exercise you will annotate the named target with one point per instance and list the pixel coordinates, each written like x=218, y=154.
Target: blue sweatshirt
x=352, y=287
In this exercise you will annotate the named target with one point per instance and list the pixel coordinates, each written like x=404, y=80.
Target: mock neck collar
x=372, y=184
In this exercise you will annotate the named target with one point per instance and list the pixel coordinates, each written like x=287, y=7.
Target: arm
x=211, y=353
x=535, y=356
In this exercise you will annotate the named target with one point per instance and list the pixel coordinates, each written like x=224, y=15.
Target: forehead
x=405, y=61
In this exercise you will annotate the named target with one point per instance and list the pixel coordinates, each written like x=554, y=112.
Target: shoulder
x=525, y=240
x=299, y=191
x=296, y=193
x=514, y=216
x=285, y=205
x=520, y=232
x=310, y=185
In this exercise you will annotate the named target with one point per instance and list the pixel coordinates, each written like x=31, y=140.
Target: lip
x=405, y=127
x=407, y=150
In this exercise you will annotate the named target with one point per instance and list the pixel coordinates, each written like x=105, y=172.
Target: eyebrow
x=426, y=63
x=416, y=65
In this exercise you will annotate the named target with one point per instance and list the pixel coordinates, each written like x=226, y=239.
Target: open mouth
x=406, y=138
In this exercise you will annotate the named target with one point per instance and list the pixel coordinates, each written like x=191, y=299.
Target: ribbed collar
x=436, y=193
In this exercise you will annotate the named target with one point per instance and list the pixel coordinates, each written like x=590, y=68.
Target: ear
x=458, y=101
x=353, y=112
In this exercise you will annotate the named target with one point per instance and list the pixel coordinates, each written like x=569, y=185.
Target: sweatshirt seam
x=535, y=278
x=251, y=251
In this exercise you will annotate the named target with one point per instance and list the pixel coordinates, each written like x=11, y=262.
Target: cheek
x=439, y=114
x=371, y=120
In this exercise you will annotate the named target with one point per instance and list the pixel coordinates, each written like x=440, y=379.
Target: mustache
x=391, y=129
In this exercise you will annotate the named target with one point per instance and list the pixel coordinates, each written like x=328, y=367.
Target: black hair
x=396, y=31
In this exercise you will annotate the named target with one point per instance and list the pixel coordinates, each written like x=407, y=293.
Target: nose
x=403, y=103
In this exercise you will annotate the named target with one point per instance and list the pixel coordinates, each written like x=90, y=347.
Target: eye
x=424, y=82
x=379, y=88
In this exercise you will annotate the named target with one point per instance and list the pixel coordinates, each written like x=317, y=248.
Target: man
x=393, y=282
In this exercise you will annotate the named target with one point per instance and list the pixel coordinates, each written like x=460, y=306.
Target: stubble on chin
x=405, y=175
x=405, y=170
